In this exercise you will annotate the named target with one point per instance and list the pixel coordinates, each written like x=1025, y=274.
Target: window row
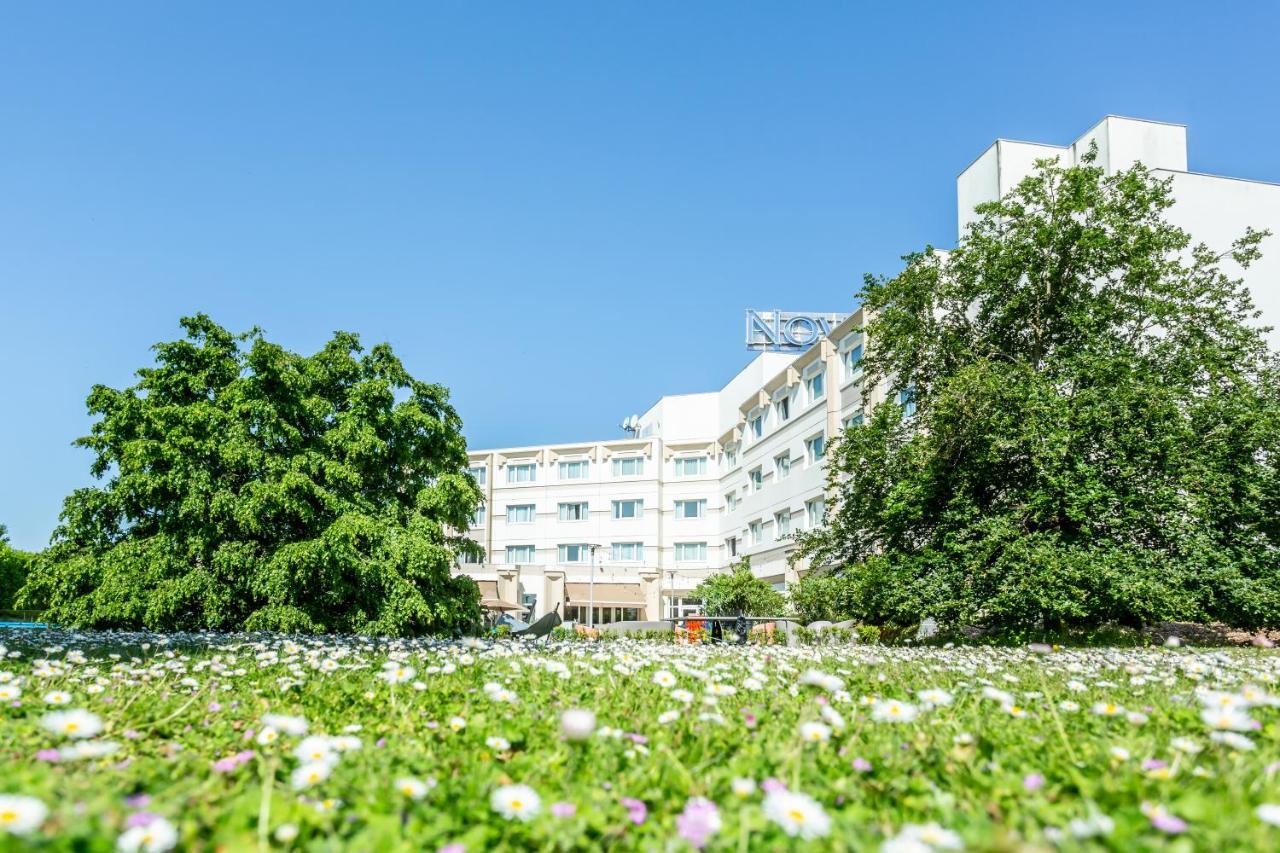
x=757, y=534
x=619, y=552
x=580, y=469
x=579, y=510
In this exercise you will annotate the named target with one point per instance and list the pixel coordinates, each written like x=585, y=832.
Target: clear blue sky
x=560, y=210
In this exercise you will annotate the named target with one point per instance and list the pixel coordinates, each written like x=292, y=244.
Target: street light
x=591, y=590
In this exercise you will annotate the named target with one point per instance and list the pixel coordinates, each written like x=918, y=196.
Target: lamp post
x=591, y=590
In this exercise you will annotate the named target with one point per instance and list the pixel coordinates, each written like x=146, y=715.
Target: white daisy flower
x=157, y=836
x=21, y=815
x=516, y=802
x=799, y=815
x=72, y=724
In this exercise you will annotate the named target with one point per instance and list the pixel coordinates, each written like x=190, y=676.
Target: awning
x=606, y=594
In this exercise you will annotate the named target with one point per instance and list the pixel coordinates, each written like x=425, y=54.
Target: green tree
x=1096, y=428
x=739, y=591
x=250, y=487
x=14, y=565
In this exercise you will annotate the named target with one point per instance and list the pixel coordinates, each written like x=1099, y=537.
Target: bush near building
x=250, y=487
x=1083, y=425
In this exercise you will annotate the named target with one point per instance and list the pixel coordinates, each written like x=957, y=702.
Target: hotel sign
x=783, y=331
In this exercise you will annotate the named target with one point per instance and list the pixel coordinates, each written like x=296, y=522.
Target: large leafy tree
x=739, y=591
x=247, y=486
x=13, y=570
x=1096, y=423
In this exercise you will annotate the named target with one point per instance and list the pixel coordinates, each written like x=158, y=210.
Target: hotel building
x=703, y=480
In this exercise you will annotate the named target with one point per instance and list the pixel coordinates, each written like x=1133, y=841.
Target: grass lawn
x=243, y=742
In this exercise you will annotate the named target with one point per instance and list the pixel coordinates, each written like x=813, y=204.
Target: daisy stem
x=264, y=806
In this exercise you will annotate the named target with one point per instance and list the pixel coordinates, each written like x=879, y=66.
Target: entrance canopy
x=606, y=594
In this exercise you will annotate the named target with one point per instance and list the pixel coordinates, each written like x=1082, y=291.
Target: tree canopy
x=13, y=570
x=247, y=486
x=739, y=591
x=1095, y=430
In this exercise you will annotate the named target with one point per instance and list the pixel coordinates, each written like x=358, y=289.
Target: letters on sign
x=782, y=331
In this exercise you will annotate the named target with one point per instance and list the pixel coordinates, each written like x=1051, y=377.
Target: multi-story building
x=702, y=480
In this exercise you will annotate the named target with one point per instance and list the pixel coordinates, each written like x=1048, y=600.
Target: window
x=782, y=523
x=522, y=473
x=480, y=474
x=477, y=520
x=815, y=510
x=816, y=447
x=783, y=407
x=690, y=466
x=757, y=425
x=907, y=400
x=577, y=469
x=756, y=529
x=782, y=467
x=519, y=553
x=852, y=359
x=756, y=476
x=730, y=457
x=854, y=420
x=628, y=552
x=576, y=553
x=520, y=513
x=469, y=558
x=628, y=466
x=573, y=512
x=691, y=552
x=691, y=509
x=815, y=385
x=628, y=509
x=731, y=501
x=731, y=545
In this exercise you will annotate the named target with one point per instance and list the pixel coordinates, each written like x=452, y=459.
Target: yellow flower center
x=796, y=815
x=8, y=817
x=515, y=804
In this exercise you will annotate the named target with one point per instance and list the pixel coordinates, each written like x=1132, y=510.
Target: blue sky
x=559, y=210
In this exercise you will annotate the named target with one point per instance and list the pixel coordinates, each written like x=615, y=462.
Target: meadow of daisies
x=148, y=742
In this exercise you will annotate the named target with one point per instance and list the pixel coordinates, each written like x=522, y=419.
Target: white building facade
x=630, y=526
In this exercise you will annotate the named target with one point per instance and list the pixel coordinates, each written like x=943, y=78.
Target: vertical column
x=652, y=590
x=553, y=591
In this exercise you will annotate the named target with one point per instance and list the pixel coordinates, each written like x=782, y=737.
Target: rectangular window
x=480, y=474
x=784, y=409
x=470, y=559
x=756, y=529
x=628, y=466
x=690, y=466
x=520, y=513
x=730, y=457
x=782, y=523
x=815, y=385
x=756, y=476
x=691, y=509
x=907, y=400
x=523, y=473
x=731, y=501
x=731, y=544
x=573, y=511
x=853, y=362
x=854, y=420
x=815, y=510
x=628, y=552
x=782, y=467
x=578, y=469
x=757, y=425
x=691, y=552
x=519, y=553
x=628, y=509
x=575, y=553
x=816, y=447
x=477, y=520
